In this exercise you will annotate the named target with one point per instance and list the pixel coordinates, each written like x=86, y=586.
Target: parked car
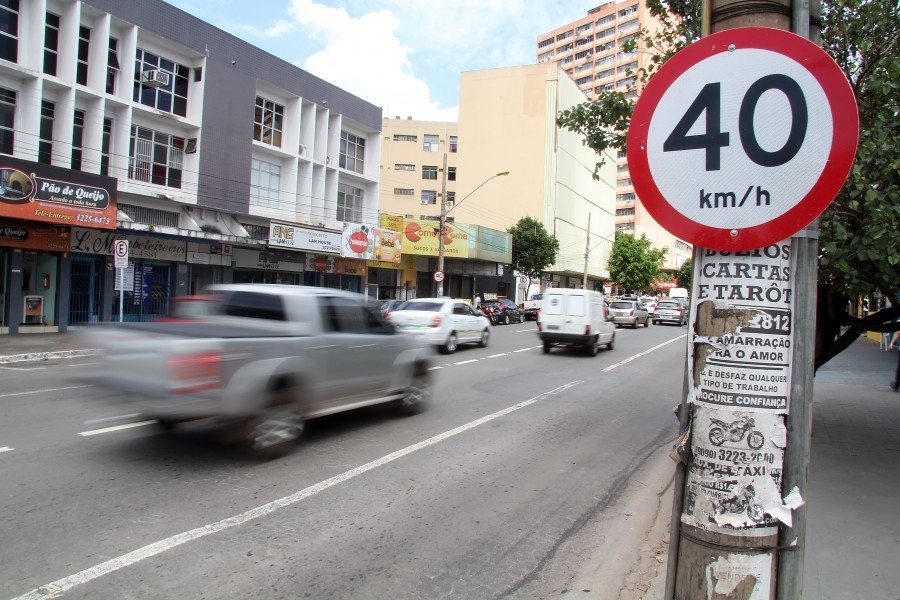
x=389, y=306
x=532, y=307
x=443, y=322
x=628, y=312
x=649, y=304
x=504, y=310
x=575, y=317
x=670, y=311
x=272, y=357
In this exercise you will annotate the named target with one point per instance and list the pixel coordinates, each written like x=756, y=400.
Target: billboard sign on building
x=39, y=192
x=296, y=237
x=370, y=243
x=420, y=236
x=33, y=236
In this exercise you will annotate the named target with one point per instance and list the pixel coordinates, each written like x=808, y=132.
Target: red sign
x=742, y=138
x=39, y=192
x=34, y=236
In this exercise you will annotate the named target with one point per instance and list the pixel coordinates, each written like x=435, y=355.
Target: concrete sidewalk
x=853, y=499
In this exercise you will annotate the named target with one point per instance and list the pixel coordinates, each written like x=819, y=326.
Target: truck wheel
x=275, y=432
x=547, y=346
x=449, y=347
x=417, y=396
x=591, y=348
x=485, y=337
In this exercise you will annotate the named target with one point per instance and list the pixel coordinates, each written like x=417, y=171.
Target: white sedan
x=443, y=322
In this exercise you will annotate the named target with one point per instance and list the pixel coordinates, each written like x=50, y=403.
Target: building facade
x=507, y=122
x=591, y=51
x=217, y=162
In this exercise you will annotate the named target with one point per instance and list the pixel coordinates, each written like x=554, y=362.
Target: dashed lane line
x=44, y=391
x=116, y=428
x=645, y=352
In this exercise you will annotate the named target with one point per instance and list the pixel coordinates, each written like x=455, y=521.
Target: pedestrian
x=895, y=385
x=477, y=302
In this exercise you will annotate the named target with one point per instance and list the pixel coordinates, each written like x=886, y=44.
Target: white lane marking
x=108, y=419
x=116, y=428
x=22, y=368
x=533, y=329
x=526, y=349
x=465, y=362
x=498, y=355
x=62, y=389
x=61, y=586
x=6, y=449
x=639, y=354
x=93, y=364
x=434, y=368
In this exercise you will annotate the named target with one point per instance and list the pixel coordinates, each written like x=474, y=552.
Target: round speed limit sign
x=742, y=138
x=438, y=276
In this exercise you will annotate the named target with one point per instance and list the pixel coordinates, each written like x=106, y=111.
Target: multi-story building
x=591, y=50
x=217, y=162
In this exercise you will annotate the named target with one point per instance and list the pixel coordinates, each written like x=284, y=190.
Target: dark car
x=503, y=311
x=389, y=306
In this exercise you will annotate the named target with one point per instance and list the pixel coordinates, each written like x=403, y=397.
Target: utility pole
x=587, y=250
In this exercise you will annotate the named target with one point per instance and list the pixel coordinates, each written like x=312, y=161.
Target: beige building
x=590, y=51
x=507, y=122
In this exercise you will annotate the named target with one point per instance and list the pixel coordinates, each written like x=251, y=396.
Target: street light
x=444, y=211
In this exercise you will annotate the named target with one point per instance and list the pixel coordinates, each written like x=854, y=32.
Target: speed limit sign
x=438, y=276
x=742, y=138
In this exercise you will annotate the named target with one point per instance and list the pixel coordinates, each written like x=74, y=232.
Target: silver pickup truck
x=269, y=358
x=532, y=307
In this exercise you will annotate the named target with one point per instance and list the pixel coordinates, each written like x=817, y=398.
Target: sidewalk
x=853, y=498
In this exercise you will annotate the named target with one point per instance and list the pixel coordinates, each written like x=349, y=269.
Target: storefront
x=42, y=206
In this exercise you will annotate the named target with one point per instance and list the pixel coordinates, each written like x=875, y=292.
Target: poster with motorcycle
x=739, y=361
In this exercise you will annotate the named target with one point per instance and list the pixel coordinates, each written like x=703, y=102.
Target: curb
x=38, y=356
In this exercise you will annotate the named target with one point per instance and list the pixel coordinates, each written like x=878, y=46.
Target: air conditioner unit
x=191, y=146
x=155, y=78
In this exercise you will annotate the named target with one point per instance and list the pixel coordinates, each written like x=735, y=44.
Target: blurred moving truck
x=575, y=317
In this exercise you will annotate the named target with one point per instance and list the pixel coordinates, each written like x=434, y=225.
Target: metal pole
x=121, y=273
x=440, y=285
x=587, y=250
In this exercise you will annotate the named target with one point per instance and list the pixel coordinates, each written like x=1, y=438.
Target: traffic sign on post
x=120, y=250
x=439, y=276
x=742, y=138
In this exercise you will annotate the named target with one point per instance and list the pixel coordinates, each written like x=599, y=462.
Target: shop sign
x=295, y=237
x=39, y=192
x=420, y=237
x=34, y=237
x=101, y=242
x=268, y=260
x=350, y=266
x=207, y=254
x=370, y=243
x=321, y=264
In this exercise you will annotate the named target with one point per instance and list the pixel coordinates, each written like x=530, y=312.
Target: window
x=112, y=68
x=7, y=120
x=353, y=152
x=404, y=192
x=606, y=32
x=404, y=167
x=624, y=212
x=564, y=35
x=621, y=154
x=349, y=203
x=604, y=74
x=607, y=19
x=454, y=144
x=168, y=97
x=604, y=88
x=585, y=40
x=105, y=145
x=625, y=82
x=565, y=48
x=9, y=30
x=583, y=80
x=51, y=43
x=265, y=184
x=451, y=198
x=155, y=157
x=621, y=168
x=400, y=137
x=268, y=122
x=623, y=182
x=565, y=61
x=451, y=173
x=84, y=44
x=625, y=68
x=606, y=60
x=545, y=57
x=583, y=28
x=431, y=143
x=45, y=137
x=584, y=54
x=545, y=43
x=429, y=172
x=628, y=26
x=605, y=47
x=629, y=197
x=627, y=11
x=429, y=196
x=77, y=139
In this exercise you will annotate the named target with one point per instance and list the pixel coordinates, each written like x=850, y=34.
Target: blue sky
x=403, y=55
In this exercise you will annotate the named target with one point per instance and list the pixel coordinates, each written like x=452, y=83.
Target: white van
x=678, y=294
x=572, y=317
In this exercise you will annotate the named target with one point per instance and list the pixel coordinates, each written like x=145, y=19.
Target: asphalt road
x=518, y=482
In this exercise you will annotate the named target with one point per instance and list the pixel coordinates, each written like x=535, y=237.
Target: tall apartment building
x=590, y=50
x=218, y=162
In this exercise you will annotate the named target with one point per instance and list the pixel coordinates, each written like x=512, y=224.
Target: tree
x=633, y=264
x=685, y=274
x=533, y=249
x=860, y=247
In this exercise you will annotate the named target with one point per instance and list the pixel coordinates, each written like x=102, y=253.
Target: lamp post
x=444, y=211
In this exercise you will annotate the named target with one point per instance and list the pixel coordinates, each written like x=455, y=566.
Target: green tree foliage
x=533, y=249
x=685, y=274
x=859, y=241
x=633, y=264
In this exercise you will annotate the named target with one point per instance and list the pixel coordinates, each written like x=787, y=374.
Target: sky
x=405, y=56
